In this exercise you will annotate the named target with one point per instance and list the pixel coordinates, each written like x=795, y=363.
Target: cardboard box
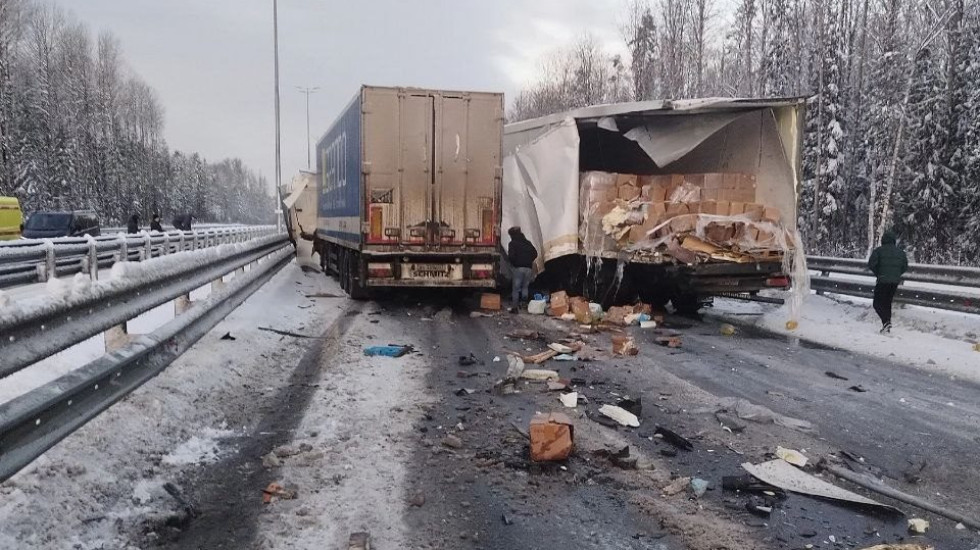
x=552, y=437
x=629, y=192
x=694, y=179
x=709, y=207
x=714, y=181
x=490, y=301
x=655, y=190
x=638, y=233
x=656, y=213
x=755, y=211
x=710, y=194
x=580, y=307
x=612, y=193
x=772, y=214
x=736, y=208
x=616, y=315
x=559, y=304
x=682, y=224
x=627, y=179
x=730, y=181
x=677, y=209
x=746, y=181
x=724, y=207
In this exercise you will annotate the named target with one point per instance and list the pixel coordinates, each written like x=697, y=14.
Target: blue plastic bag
x=387, y=351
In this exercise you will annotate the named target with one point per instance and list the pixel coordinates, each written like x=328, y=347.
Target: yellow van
x=11, y=218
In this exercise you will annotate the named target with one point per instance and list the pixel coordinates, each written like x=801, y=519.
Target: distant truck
x=673, y=201
x=408, y=190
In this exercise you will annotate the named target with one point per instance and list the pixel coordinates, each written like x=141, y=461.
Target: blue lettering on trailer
x=338, y=162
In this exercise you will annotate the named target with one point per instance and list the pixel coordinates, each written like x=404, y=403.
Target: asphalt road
x=486, y=494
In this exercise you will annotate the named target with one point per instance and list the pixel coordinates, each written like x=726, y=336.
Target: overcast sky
x=211, y=61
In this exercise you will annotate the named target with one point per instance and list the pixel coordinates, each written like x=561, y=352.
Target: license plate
x=431, y=271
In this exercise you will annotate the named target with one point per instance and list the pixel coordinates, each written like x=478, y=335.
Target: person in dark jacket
x=521, y=255
x=155, y=223
x=888, y=262
x=134, y=224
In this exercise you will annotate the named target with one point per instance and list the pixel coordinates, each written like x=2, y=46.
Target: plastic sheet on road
x=788, y=477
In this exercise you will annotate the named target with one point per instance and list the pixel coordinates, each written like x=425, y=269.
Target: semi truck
x=673, y=201
x=408, y=190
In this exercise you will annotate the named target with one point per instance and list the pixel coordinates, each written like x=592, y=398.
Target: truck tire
x=350, y=275
x=686, y=303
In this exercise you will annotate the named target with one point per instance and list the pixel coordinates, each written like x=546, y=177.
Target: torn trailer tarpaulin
x=545, y=156
x=540, y=193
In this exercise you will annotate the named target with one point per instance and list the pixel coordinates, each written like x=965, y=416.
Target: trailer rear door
x=467, y=168
x=434, y=177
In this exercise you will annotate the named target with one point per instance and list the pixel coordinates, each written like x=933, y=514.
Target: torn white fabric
x=540, y=193
x=668, y=138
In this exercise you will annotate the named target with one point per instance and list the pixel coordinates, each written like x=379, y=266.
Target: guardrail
x=967, y=277
x=33, y=422
x=33, y=261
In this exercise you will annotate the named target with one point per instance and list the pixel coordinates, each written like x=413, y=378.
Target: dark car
x=49, y=225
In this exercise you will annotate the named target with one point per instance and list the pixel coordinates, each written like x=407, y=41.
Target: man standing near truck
x=888, y=262
x=521, y=255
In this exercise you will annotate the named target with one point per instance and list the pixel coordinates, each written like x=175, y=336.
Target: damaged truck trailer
x=408, y=190
x=662, y=200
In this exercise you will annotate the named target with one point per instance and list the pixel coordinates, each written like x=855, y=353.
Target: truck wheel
x=355, y=288
x=686, y=303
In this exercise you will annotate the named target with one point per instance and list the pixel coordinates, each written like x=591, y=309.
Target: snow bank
x=102, y=487
x=930, y=339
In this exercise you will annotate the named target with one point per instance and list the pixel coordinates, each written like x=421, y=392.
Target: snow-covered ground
x=105, y=481
x=934, y=340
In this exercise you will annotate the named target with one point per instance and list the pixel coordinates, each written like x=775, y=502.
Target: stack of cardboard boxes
x=681, y=200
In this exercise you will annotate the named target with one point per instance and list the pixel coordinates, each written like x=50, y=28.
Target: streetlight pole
x=307, y=92
x=275, y=37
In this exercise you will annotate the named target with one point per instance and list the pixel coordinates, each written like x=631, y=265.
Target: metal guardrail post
x=182, y=304
x=123, y=248
x=166, y=244
x=217, y=284
x=116, y=337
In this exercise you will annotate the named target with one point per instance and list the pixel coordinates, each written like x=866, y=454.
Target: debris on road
x=524, y=334
x=559, y=304
x=699, y=486
x=359, y=541
x=322, y=295
x=479, y=314
x=859, y=389
x=648, y=324
x=877, y=486
x=624, y=345
x=560, y=348
x=557, y=386
x=515, y=366
x=835, y=376
x=674, y=438
x=417, y=500
x=669, y=341
x=462, y=392
x=452, y=442
x=467, y=360
x=564, y=357
x=747, y=410
x=539, y=358
x=387, y=351
x=569, y=400
x=620, y=415
x=228, y=336
x=794, y=457
x=730, y=422
x=786, y=476
x=750, y=484
x=506, y=519
x=275, y=491
x=174, y=492
x=270, y=460
x=537, y=307
x=918, y=526
x=727, y=329
x=490, y=301
x=552, y=437
x=759, y=510
x=539, y=374
x=676, y=486
x=634, y=406
x=900, y=547
x=285, y=332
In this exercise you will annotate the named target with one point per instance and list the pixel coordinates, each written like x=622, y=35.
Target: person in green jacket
x=888, y=262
